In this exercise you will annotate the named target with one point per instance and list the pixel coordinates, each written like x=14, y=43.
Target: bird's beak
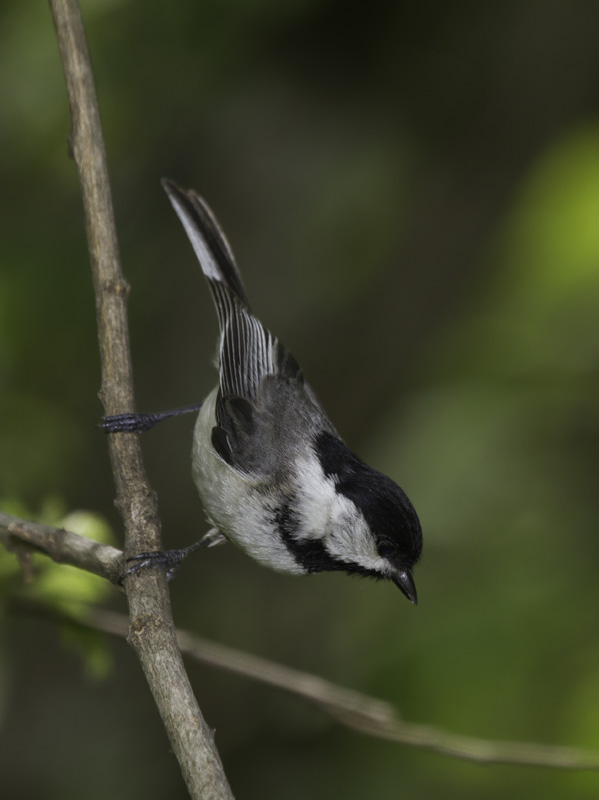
x=405, y=582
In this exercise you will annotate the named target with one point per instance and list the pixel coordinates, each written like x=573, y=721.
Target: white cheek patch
x=334, y=519
x=350, y=539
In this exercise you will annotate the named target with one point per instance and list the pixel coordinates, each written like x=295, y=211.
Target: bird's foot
x=169, y=560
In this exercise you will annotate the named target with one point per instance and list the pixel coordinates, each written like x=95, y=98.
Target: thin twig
x=151, y=629
x=367, y=714
x=361, y=712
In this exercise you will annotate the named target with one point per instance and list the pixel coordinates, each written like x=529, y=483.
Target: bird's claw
x=169, y=560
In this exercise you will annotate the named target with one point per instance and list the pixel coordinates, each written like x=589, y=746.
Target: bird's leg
x=138, y=423
x=170, y=560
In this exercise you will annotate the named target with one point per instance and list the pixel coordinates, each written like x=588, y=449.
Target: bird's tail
x=209, y=243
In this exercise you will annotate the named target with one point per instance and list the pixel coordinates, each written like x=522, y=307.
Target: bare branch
x=151, y=629
x=356, y=710
x=61, y=546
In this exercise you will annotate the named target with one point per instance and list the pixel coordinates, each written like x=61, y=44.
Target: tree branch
x=151, y=630
x=63, y=547
x=355, y=710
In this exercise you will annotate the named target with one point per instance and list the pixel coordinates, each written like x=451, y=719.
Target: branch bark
x=63, y=547
x=151, y=630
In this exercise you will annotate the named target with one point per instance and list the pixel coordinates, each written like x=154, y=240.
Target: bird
x=273, y=474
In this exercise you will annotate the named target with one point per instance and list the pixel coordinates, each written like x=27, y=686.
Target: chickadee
x=272, y=472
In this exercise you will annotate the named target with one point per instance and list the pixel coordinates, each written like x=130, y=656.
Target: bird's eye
x=386, y=549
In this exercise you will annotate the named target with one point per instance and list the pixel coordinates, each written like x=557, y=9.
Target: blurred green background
x=412, y=192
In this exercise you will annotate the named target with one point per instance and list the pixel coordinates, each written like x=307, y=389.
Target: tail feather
x=247, y=351
x=208, y=241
